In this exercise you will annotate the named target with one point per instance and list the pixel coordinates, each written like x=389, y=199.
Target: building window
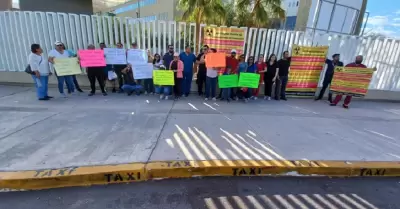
x=297, y=4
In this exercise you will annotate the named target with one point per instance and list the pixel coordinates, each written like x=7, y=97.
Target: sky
x=384, y=17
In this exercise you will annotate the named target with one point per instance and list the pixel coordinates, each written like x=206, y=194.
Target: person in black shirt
x=94, y=73
x=331, y=64
x=118, y=69
x=130, y=85
x=202, y=70
x=280, y=85
x=270, y=75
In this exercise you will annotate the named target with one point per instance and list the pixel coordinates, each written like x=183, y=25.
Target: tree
x=259, y=13
x=201, y=11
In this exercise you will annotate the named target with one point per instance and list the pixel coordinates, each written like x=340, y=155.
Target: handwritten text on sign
x=92, y=58
x=142, y=71
x=67, y=66
x=250, y=80
x=137, y=56
x=163, y=77
x=351, y=81
x=115, y=56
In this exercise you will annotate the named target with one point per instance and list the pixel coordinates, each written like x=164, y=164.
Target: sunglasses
x=59, y=45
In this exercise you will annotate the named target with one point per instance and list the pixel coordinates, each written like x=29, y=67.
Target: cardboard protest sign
x=92, y=58
x=67, y=66
x=250, y=80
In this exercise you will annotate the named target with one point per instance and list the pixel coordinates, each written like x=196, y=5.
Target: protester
x=231, y=67
x=252, y=68
x=40, y=72
x=94, y=73
x=168, y=57
x=148, y=84
x=201, y=70
x=59, y=52
x=242, y=68
x=261, y=68
x=271, y=74
x=331, y=64
x=211, y=80
x=280, y=84
x=130, y=85
x=108, y=70
x=188, y=59
x=178, y=67
x=75, y=81
x=118, y=70
x=347, y=100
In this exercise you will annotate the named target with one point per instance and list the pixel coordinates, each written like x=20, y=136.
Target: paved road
x=83, y=130
x=219, y=193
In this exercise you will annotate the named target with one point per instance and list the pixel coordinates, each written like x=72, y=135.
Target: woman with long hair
x=270, y=76
x=261, y=68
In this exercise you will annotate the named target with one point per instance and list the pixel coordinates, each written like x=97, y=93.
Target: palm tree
x=259, y=13
x=201, y=11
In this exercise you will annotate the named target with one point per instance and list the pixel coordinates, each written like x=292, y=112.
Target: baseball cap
x=58, y=43
x=233, y=51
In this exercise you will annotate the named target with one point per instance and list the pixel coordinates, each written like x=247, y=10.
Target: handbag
x=28, y=68
x=112, y=75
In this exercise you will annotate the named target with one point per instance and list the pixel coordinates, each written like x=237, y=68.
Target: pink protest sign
x=92, y=58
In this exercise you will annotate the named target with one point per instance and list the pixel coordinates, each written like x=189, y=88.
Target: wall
x=67, y=6
x=5, y=5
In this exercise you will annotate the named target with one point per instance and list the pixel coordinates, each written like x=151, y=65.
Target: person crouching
x=130, y=85
x=177, y=67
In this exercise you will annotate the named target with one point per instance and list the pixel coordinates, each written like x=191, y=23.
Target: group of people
x=184, y=65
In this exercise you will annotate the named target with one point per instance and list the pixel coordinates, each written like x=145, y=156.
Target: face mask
x=358, y=62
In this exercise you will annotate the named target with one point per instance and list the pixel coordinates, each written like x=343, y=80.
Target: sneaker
x=49, y=97
x=152, y=93
x=246, y=100
x=236, y=99
x=161, y=97
x=44, y=99
x=332, y=104
x=105, y=94
x=206, y=99
x=269, y=98
x=265, y=97
x=166, y=97
x=345, y=106
x=255, y=98
x=91, y=94
x=145, y=93
x=80, y=90
x=63, y=95
x=214, y=99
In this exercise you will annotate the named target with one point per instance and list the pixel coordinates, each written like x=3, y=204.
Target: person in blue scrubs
x=188, y=59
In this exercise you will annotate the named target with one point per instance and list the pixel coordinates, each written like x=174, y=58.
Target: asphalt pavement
x=218, y=193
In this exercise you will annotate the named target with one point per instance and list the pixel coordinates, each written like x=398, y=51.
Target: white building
x=338, y=16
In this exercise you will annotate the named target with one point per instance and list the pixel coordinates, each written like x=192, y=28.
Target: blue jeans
x=187, y=82
x=226, y=93
x=131, y=88
x=41, y=85
x=211, y=86
x=69, y=81
x=166, y=90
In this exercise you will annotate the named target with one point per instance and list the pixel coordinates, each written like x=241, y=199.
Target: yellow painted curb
x=72, y=176
x=181, y=169
x=108, y=174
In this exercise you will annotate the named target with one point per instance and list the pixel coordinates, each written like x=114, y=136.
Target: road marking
x=299, y=108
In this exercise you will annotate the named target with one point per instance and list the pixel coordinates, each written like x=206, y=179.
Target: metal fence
x=18, y=30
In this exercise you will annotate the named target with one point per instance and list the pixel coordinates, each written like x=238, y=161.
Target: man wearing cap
x=59, y=52
x=231, y=66
x=188, y=59
x=331, y=64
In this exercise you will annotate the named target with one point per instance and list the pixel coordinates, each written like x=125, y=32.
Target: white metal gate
x=18, y=30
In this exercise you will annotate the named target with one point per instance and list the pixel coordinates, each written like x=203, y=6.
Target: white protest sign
x=142, y=71
x=137, y=56
x=115, y=56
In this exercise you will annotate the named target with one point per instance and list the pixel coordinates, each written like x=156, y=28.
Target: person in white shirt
x=40, y=71
x=211, y=81
x=59, y=52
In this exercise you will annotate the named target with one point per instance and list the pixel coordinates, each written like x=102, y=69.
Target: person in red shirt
x=231, y=67
x=347, y=100
x=261, y=68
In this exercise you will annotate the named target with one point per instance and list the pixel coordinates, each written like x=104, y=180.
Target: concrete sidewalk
x=120, y=130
